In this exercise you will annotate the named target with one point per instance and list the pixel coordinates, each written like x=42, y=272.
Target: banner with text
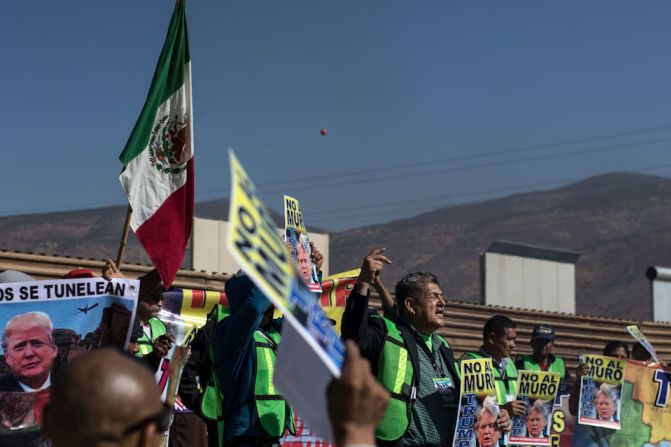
x=45, y=325
x=600, y=391
x=296, y=235
x=311, y=352
x=538, y=390
x=478, y=407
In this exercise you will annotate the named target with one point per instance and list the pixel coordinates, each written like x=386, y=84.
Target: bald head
x=97, y=397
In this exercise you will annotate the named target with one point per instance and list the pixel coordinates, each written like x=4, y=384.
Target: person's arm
x=317, y=258
x=355, y=321
x=356, y=402
x=388, y=303
x=574, y=398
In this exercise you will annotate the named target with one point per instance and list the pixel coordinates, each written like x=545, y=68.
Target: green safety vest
x=529, y=364
x=145, y=343
x=396, y=373
x=504, y=387
x=271, y=409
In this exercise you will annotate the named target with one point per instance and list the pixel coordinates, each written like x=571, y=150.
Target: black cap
x=543, y=332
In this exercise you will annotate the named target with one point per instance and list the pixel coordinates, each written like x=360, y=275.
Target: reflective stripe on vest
x=557, y=365
x=145, y=343
x=502, y=392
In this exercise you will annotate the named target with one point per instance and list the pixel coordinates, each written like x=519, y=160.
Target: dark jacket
x=9, y=383
x=235, y=357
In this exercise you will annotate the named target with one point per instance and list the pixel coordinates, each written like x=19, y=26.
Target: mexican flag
x=158, y=158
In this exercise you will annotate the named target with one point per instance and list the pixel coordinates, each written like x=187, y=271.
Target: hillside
x=618, y=222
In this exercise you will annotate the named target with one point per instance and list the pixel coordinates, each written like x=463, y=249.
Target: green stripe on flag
x=168, y=78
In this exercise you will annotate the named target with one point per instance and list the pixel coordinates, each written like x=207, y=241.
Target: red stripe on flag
x=197, y=299
x=165, y=234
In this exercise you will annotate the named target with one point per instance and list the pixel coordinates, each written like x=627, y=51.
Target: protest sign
x=310, y=352
x=183, y=312
x=538, y=390
x=561, y=427
x=600, y=391
x=635, y=332
x=478, y=408
x=64, y=318
x=296, y=235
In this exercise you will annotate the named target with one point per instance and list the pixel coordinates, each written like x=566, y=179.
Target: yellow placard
x=538, y=384
x=253, y=240
x=605, y=369
x=293, y=218
x=477, y=377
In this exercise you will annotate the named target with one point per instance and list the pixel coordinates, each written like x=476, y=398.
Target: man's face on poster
x=535, y=423
x=487, y=431
x=29, y=353
x=304, y=264
x=605, y=407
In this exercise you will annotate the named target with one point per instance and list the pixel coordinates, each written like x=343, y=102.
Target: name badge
x=443, y=385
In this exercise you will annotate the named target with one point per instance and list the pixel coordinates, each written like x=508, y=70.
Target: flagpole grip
x=124, y=238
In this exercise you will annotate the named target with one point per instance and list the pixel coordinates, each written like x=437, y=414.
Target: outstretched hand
x=356, y=401
x=372, y=266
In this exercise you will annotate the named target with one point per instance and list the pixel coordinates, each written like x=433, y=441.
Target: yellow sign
x=253, y=240
x=477, y=377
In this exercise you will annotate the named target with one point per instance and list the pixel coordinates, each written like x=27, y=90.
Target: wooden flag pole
x=124, y=238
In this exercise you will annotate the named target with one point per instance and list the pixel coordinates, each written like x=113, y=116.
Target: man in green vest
x=499, y=336
x=409, y=358
x=542, y=359
x=155, y=342
x=253, y=413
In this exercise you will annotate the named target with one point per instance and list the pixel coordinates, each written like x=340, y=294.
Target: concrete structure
x=529, y=277
x=209, y=252
x=660, y=292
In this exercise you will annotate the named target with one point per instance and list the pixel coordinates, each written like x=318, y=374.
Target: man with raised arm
x=409, y=358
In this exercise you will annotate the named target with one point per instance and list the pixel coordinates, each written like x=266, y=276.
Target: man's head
x=605, y=401
x=616, y=349
x=29, y=347
x=420, y=301
x=486, y=428
x=303, y=259
x=150, y=297
x=536, y=421
x=638, y=352
x=105, y=398
x=542, y=340
x=499, y=335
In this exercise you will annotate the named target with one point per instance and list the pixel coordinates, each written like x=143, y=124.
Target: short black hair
x=612, y=346
x=412, y=285
x=497, y=324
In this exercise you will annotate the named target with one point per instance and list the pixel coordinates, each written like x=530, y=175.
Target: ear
x=408, y=305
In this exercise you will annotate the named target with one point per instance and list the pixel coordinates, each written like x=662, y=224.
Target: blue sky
x=427, y=103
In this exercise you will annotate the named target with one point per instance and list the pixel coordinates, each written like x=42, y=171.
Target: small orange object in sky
x=324, y=132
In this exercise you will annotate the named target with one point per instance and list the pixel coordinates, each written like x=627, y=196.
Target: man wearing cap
x=542, y=359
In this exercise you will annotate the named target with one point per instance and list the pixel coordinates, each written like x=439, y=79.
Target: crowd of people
x=399, y=386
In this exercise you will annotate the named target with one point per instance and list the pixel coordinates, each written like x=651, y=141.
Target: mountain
x=91, y=233
x=618, y=222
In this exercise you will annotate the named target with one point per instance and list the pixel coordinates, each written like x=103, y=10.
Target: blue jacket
x=235, y=357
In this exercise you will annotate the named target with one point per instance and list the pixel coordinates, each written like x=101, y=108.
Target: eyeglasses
x=161, y=419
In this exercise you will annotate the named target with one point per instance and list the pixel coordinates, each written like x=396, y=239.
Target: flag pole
x=124, y=238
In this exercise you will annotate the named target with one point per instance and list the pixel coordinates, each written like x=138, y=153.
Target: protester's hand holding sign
x=162, y=346
x=356, y=401
x=503, y=421
x=110, y=270
x=515, y=407
x=372, y=266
